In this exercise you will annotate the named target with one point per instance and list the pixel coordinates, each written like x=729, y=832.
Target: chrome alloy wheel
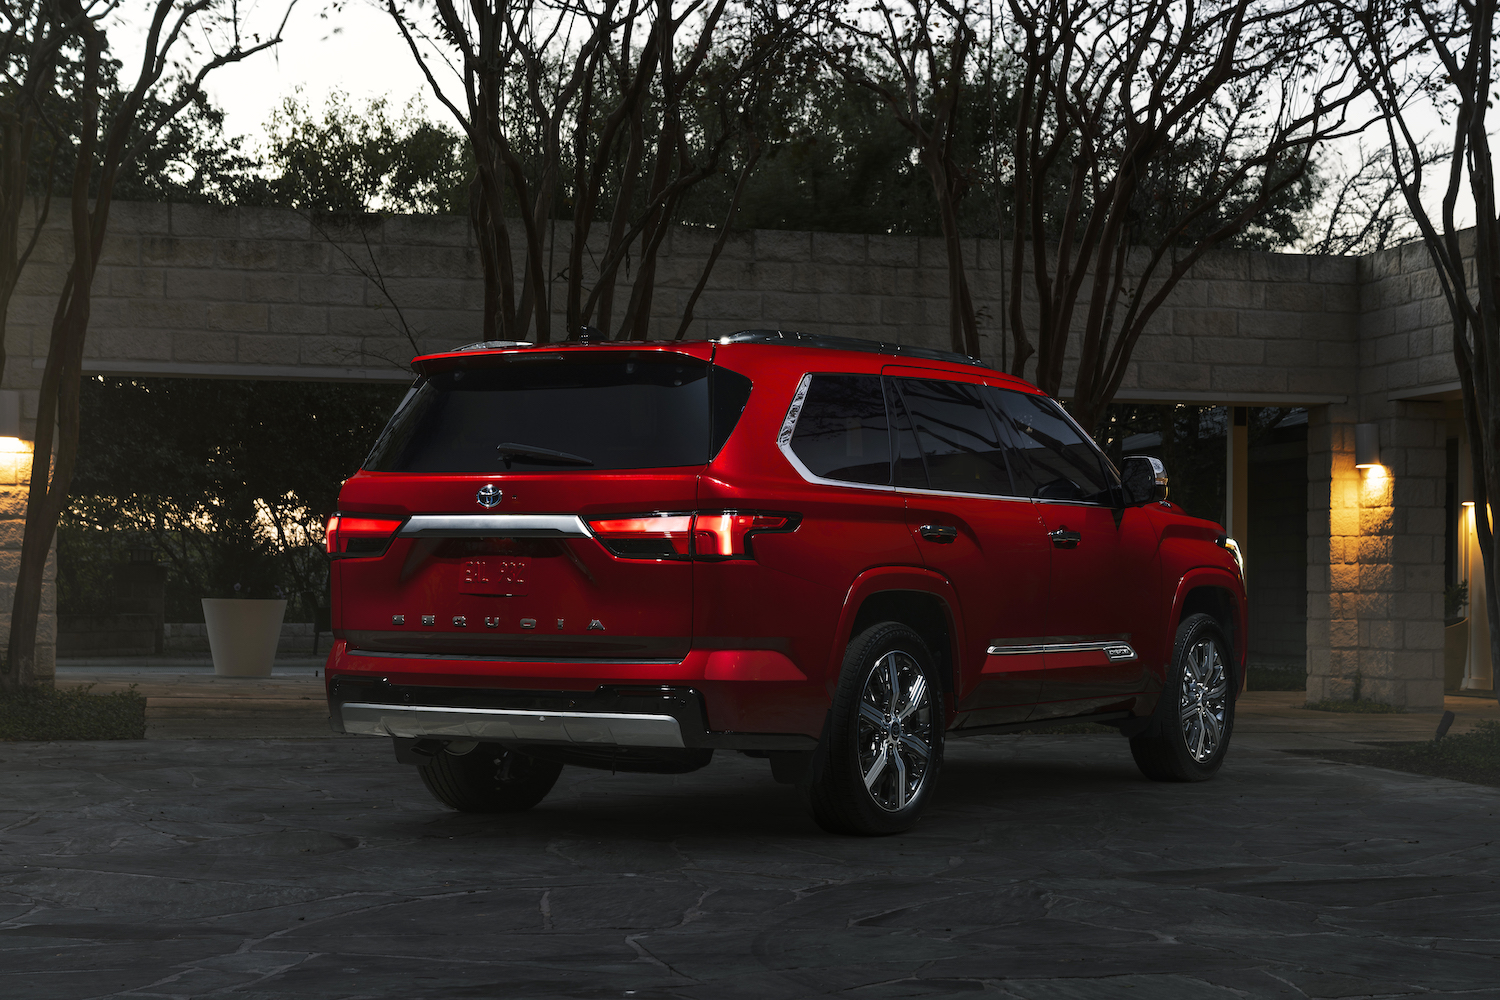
x=895, y=731
x=1205, y=699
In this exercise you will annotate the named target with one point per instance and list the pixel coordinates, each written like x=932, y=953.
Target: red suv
x=832, y=554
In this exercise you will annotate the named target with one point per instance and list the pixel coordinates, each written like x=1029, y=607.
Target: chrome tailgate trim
x=495, y=724
x=494, y=526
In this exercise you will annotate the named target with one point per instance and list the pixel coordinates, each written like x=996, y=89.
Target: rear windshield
x=628, y=412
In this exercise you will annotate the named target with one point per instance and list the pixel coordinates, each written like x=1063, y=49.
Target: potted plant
x=243, y=631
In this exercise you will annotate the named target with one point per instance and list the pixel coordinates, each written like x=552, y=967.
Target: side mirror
x=1144, y=480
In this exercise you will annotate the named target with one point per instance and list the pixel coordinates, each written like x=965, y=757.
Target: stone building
x=1360, y=343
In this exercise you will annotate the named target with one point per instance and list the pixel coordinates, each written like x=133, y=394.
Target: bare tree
x=1362, y=210
x=1417, y=55
x=105, y=141
x=1149, y=132
x=928, y=44
x=34, y=35
x=571, y=105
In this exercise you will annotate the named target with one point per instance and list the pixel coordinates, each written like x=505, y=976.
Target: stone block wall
x=1375, y=561
x=1405, y=329
x=254, y=293
x=196, y=290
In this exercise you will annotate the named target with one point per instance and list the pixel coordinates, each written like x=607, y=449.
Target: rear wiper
x=509, y=451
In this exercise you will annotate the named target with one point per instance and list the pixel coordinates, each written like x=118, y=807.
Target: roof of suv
x=786, y=338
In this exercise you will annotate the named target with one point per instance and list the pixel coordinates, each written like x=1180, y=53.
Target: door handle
x=938, y=532
x=1065, y=539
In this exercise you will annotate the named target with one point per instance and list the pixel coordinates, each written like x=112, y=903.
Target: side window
x=958, y=439
x=841, y=432
x=910, y=470
x=1056, y=461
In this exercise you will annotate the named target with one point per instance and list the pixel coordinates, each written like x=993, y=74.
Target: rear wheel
x=883, y=747
x=1189, y=736
x=489, y=779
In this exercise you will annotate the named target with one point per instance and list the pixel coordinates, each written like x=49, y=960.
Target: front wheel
x=489, y=779
x=884, y=740
x=1189, y=735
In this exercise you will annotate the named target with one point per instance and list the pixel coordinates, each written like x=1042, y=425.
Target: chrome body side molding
x=1117, y=650
x=495, y=526
x=490, y=725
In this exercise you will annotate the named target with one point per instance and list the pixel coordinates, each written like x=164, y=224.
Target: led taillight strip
x=720, y=534
x=359, y=536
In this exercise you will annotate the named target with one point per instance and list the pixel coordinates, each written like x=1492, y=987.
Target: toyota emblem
x=489, y=495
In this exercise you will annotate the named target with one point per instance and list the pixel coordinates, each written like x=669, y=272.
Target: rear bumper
x=631, y=705
x=508, y=725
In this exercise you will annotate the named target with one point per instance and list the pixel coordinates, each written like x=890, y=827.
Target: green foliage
x=40, y=713
x=349, y=161
x=193, y=161
x=229, y=481
x=1455, y=599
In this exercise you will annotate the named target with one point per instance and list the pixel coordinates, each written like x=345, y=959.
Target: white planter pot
x=242, y=635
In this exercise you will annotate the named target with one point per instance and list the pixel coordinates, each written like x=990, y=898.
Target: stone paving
x=1047, y=868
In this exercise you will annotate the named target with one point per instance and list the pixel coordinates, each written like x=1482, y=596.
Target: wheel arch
x=920, y=600
x=1221, y=597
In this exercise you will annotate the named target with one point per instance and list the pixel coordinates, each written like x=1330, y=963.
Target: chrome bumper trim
x=495, y=526
x=488, y=658
x=495, y=724
x=1116, y=651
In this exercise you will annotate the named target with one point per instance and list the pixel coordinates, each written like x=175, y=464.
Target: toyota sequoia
x=830, y=554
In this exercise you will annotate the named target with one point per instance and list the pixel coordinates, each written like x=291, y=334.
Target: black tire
x=1190, y=731
x=887, y=714
x=489, y=779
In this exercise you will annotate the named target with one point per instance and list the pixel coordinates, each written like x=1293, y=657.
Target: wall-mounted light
x=1366, y=446
x=10, y=422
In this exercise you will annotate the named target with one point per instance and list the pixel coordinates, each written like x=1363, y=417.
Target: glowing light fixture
x=1366, y=446
x=10, y=422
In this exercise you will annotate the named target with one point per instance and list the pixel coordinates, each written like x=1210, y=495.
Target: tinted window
x=910, y=469
x=958, y=440
x=630, y=412
x=1056, y=461
x=841, y=432
x=729, y=391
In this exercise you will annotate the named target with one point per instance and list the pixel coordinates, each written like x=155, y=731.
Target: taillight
x=660, y=536
x=357, y=535
x=726, y=534
x=706, y=535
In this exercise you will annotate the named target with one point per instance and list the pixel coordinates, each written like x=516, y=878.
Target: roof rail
x=845, y=344
x=492, y=345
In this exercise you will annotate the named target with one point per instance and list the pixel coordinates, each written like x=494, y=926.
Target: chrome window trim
x=784, y=442
x=497, y=724
x=495, y=526
x=1117, y=650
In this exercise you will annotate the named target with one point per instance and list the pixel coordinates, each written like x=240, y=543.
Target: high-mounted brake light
x=358, y=535
x=723, y=534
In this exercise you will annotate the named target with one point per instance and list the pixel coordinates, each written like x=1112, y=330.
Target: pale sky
x=357, y=50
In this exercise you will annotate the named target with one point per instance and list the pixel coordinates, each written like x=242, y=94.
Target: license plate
x=493, y=577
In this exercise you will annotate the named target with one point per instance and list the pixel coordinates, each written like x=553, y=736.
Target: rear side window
x=841, y=432
x=629, y=411
x=1055, y=462
x=960, y=443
